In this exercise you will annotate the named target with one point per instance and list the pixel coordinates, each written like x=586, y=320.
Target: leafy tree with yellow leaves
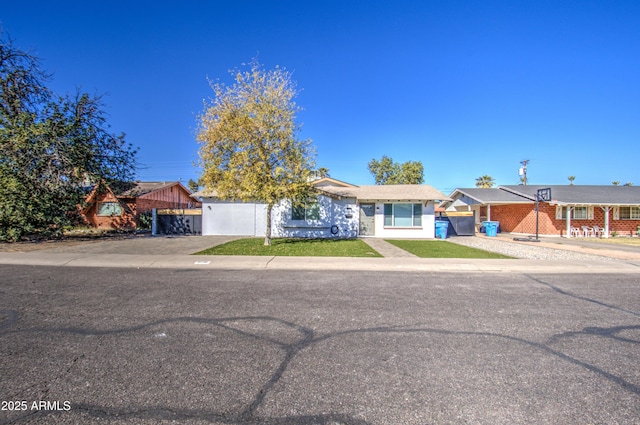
x=249, y=146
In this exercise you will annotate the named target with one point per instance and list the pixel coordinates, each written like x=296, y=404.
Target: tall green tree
x=50, y=147
x=485, y=181
x=571, y=179
x=249, y=146
x=386, y=171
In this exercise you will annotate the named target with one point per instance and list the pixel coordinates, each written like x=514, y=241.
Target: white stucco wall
x=426, y=231
x=250, y=219
x=333, y=212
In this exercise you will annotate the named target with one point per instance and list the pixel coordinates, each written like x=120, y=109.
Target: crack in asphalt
x=306, y=340
x=11, y=319
x=291, y=350
x=579, y=297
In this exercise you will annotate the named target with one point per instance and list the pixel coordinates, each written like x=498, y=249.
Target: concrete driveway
x=131, y=245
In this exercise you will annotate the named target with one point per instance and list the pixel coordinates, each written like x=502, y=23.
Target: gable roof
x=143, y=188
x=98, y=194
x=491, y=196
x=391, y=192
x=582, y=194
x=328, y=181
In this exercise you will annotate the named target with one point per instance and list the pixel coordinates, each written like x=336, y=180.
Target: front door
x=367, y=219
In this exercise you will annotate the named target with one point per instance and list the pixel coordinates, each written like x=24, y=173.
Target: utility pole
x=523, y=171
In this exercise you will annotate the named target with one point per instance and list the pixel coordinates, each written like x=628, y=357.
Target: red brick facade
x=125, y=221
x=522, y=219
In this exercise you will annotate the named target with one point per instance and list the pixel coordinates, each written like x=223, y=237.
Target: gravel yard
x=528, y=250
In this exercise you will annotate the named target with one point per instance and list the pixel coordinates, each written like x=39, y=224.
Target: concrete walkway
x=386, y=249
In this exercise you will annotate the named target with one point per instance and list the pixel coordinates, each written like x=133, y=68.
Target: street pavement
x=161, y=345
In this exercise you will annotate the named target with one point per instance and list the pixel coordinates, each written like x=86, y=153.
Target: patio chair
x=588, y=232
x=575, y=232
x=598, y=231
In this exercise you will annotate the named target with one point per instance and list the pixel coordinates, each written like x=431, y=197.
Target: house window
x=109, y=209
x=629, y=213
x=403, y=215
x=306, y=212
x=577, y=213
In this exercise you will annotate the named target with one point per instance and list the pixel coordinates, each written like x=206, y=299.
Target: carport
x=473, y=199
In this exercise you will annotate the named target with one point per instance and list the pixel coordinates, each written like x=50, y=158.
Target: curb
x=316, y=263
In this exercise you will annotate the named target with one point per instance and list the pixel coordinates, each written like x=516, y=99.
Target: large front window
x=109, y=209
x=306, y=212
x=403, y=215
x=577, y=213
x=629, y=213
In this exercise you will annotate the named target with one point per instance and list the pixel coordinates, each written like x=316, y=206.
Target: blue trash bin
x=441, y=229
x=491, y=228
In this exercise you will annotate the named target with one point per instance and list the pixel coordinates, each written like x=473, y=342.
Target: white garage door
x=232, y=219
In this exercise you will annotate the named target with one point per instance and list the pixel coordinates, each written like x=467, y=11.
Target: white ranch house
x=342, y=210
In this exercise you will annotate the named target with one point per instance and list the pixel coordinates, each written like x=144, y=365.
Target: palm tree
x=571, y=179
x=615, y=183
x=321, y=173
x=485, y=181
x=628, y=184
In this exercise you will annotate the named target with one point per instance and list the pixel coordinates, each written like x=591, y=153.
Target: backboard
x=544, y=195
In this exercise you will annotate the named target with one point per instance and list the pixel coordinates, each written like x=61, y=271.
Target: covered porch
x=613, y=220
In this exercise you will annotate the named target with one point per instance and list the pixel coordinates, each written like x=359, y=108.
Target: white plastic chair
x=588, y=231
x=575, y=232
x=598, y=231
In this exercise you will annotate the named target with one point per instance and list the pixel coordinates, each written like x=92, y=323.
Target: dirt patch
x=67, y=241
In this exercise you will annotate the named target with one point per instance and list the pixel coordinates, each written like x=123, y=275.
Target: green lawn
x=294, y=247
x=442, y=249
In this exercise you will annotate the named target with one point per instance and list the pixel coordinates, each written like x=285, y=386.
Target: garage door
x=234, y=219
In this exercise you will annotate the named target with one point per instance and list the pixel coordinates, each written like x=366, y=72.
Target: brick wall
x=124, y=221
x=522, y=219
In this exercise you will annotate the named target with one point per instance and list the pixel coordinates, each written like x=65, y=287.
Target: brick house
x=108, y=209
x=610, y=208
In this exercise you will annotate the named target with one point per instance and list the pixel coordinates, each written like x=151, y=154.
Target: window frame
x=573, y=213
x=390, y=215
x=582, y=210
x=633, y=213
x=100, y=206
x=310, y=212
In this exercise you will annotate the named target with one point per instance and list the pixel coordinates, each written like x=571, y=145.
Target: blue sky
x=466, y=87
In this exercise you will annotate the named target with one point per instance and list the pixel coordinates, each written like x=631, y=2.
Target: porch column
x=568, y=221
x=606, y=220
x=488, y=212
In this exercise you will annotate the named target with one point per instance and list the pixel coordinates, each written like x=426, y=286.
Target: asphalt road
x=155, y=346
